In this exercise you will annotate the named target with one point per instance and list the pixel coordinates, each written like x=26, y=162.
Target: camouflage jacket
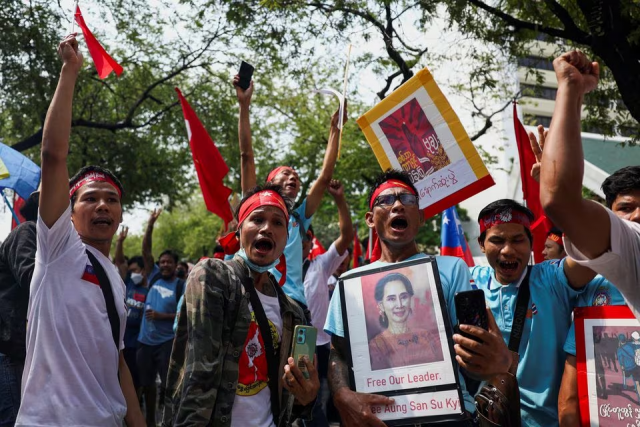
x=212, y=328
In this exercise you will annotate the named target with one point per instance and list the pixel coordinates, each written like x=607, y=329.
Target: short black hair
x=500, y=206
x=268, y=186
x=184, y=264
x=218, y=249
x=137, y=260
x=622, y=181
x=171, y=253
x=29, y=210
x=93, y=168
x=556, y=231
x=380, y=179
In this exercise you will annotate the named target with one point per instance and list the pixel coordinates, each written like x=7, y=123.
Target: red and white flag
x=316, y=249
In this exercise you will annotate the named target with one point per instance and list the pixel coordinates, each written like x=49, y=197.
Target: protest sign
x=399, y=336
x=416, y=130
x=608, y=359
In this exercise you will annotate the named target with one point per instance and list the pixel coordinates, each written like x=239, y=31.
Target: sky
x=366, y=83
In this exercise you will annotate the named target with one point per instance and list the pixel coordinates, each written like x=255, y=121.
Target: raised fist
x=575, y=69
x=70, y=54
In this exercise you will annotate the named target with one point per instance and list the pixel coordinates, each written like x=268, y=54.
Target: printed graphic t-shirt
x=136, y=296
x=161, y=298
x=252, y=405
x=71, y=370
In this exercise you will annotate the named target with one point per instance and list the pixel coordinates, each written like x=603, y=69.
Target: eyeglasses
x=388, y=200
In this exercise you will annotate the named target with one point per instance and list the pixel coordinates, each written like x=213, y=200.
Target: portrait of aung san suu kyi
x=400, y=318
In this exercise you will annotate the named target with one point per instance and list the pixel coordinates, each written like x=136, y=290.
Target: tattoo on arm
x=338, y=369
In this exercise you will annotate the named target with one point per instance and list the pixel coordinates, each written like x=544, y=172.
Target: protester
x=316, y=292
x=595, y=237
x=17, y=258
x=289, y=273
x=182, y=270
x=156, y=333
x=553, y=246
x=75, y=374
x=222, y=372
x=505, y=239
x=395, y=216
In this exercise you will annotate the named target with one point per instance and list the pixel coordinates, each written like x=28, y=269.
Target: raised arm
x=330, y=156
x=247, y=162
x=585, y=222
x=344, y=217
x=147, y=254
x=119, y=259
x=54, y=195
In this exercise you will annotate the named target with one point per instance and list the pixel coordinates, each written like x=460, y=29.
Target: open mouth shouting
x=399, y=224
x=509, y=268
x=264, y=245
x=102, y=222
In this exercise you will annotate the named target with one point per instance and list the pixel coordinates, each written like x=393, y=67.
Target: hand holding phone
x=471, y=309
x=304, y=344
x=245, y=74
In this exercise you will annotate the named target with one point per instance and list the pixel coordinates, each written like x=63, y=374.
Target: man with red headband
x=230, y=364
x=395, y=216
x=289, y=272
x=505, y=238
x=75, y=373
x=553, y=247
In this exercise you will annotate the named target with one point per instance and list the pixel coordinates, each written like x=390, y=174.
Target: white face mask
x=136, y=278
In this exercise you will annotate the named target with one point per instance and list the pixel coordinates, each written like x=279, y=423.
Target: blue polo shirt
x=294, y=286
x=454, y=277
x=597, y=293
x=545, y=330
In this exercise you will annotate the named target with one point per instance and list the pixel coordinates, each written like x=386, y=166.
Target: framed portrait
x=400, y=345
x=608, y=366
x=416, y=130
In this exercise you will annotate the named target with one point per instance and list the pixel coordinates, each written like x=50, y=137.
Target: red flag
x=357, y=249
x=531, y=188
x=18, y=203
x=209, y=164
x=104, y=63
x=316, y=249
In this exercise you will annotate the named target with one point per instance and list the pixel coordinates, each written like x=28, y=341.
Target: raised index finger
x=534, y=146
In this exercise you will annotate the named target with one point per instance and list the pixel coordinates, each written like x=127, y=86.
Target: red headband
x=277, y=170
x=93, y=176
x=262, y=198
x=556, y=238
x=505, y=217
x=392, y=183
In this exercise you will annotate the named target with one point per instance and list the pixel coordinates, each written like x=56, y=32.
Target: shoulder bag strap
x=107, y=293
x=520, y=316
x=265, y=332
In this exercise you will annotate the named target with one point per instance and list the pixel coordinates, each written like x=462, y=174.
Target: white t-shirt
x=620, y=265
x=71, y=369
x=316, y=290
x=252, y=405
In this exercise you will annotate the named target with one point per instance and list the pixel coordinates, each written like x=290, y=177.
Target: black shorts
x=634, y=373
x=153, y=360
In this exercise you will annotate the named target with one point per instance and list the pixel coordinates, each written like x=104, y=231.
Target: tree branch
x=564, y=16
x=383, y=93
x=488, y=122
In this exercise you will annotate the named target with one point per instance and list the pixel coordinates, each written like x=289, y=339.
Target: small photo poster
x=416, y=130
x=608, y=366
x=399, y=332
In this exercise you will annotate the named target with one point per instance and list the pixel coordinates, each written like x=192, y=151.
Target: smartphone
x=245, y=74
x=304, y=344
x=471, y=309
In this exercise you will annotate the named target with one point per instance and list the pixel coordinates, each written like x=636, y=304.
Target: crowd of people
x=89, y=340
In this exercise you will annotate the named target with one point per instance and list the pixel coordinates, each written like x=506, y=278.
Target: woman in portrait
x=398, y=344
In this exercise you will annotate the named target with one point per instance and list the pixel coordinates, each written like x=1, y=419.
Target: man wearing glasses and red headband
x=289, y=271
x=75, y=373
x=396, y=218
x=505, y=238
x=230, y=364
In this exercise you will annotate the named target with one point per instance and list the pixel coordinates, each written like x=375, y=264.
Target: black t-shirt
x=17, y=260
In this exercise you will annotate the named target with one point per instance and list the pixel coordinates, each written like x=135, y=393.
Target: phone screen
x=245, y=73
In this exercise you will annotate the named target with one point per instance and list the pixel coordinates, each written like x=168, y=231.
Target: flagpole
x=344, y=98
x=15, y=217
x=73, y=17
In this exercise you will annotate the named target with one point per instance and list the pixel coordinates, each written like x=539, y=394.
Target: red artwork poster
x=414, y=141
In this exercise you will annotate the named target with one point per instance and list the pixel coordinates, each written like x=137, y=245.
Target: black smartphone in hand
x=245, y=74
x=471, y=309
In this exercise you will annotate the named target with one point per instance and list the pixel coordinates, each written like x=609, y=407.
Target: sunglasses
x=388, y=200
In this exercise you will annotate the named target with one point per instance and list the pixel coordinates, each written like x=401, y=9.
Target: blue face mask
x=254, y=267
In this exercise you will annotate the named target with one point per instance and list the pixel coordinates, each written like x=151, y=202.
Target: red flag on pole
x=316, y=249
x=531, y=188
x=357, y=249
x=209, y=164
x=18, y=203
x=104, y=63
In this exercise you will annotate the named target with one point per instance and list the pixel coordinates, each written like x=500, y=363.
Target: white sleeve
x=55, y=241
x=621, y=264
x=331, y=259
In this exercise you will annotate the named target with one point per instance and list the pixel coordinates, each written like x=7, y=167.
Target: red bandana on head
x=507, y=216
x=90, y=177
x=277, y=170
x=376, y=250
x=555, y=238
